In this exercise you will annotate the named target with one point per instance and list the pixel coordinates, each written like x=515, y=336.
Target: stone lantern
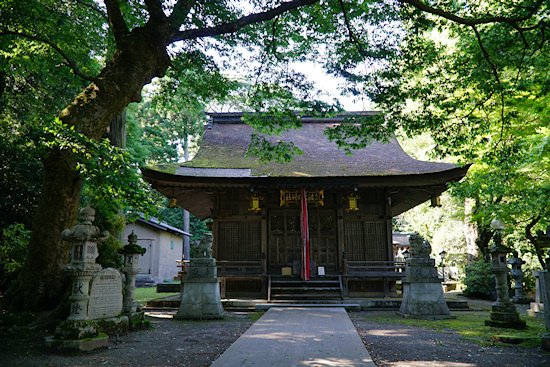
x=503, y=311
x=84, y=237
x=79, y=331
x=131, y=253
x=517, y=274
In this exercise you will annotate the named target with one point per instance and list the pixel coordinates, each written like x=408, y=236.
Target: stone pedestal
x=201, y=293
x=422, y=291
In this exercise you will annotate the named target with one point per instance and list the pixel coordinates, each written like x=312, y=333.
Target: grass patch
x=254, y=316
x=471, y=326
x=142, y=295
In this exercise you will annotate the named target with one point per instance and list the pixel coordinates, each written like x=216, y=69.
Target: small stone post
x=517, y=275
x=130, y=306
x=503, y=312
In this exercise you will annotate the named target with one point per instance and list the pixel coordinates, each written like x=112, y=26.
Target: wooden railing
x=183, y=265
x=374, y=268
x=226, y=267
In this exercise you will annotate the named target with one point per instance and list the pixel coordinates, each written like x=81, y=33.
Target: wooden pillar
x=215, y=225
x=389, y=226
x=340, y=231
x=264, y=240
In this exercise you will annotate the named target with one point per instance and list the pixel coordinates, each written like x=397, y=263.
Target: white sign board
x=105, y=294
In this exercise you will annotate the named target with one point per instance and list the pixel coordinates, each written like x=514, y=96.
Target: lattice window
x=365, y=241
x=239, y=241
x=375, y=239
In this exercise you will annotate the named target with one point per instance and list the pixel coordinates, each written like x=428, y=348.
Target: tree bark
x=41, y=282
x=136, y=61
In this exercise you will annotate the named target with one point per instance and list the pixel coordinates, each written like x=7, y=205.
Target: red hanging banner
x=305, y=235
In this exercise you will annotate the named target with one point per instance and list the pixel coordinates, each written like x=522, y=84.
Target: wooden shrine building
x=351, y=200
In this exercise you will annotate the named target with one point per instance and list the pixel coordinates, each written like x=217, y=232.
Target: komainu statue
x=419, y=247
x=202, y=248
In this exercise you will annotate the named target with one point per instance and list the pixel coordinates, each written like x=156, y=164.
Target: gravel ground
x=168, y=342
x=190, y=343
x=399, y=345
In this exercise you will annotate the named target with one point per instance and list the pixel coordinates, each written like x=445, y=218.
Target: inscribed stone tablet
x=105, y=294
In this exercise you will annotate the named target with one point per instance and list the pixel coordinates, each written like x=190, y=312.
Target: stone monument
x=517, y=275
x=201, y=292
x=422, y=290
x=503, y=311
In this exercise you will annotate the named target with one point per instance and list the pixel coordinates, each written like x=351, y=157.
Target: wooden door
x=285, y=240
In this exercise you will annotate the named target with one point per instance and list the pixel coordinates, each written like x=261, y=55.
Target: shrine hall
x=269, y=241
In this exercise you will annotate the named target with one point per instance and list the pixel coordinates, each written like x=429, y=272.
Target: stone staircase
x=293, y=289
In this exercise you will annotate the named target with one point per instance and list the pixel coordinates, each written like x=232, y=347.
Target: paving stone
x=298, y=336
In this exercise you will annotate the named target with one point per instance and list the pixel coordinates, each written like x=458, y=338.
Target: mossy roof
x=225, y=145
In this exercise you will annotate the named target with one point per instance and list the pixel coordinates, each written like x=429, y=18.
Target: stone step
x=305, y=289
x=168, y=287
x=288, y=296
x=347, y=306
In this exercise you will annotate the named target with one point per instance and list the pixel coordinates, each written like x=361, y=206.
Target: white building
x=164, y=245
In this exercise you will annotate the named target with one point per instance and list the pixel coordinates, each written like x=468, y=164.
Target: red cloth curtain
x=305, y=235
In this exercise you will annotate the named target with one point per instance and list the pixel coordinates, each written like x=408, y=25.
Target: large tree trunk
x=41, y=283
x=141, y=57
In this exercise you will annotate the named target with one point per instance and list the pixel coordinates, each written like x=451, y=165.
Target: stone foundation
x=201, y=292
x=422, y=292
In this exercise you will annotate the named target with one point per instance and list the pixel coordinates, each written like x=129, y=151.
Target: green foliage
x=442, y=226
x=174, y=217
x=481, y=93
x=479, y=280
x=20, y=175
x=13, y=252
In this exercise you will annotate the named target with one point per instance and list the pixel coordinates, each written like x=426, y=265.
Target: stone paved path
x=299, y=337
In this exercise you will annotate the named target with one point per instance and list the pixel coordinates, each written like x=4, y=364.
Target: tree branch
x=68, y=61
x=179, y=12
x=532, y=239
x=155, y=10
x=241, y=22
x=103, y=15
x=116, y=20
x=352, y=37
x=474, y=21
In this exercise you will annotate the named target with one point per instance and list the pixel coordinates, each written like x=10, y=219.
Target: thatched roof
x=225, y=145
x=222, y=161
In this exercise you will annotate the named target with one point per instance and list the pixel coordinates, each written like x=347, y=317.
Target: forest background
x=467, y=81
